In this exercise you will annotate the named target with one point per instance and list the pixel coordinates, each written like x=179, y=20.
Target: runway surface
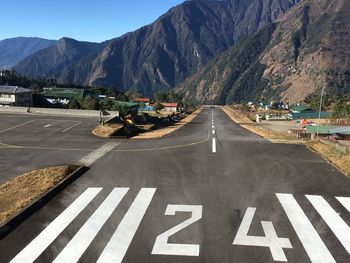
x=209, y=192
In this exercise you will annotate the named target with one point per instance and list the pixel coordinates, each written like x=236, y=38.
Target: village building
x=61, y=95
x=171, y=107
x=304, y=112
x=16, y=96
x=131, y=108
x=143, y=101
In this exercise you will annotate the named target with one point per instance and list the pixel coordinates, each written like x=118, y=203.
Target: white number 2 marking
x=161, y=245
x=270, y=240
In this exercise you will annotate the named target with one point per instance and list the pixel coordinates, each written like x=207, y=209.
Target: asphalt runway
x=29, y=142
x=209, y=192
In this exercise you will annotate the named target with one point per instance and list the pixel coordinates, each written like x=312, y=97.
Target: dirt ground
x=21, y=191
x=105, y=131
x=236, y=116
x=167, y=130
x=263, y=131
x=339, y=159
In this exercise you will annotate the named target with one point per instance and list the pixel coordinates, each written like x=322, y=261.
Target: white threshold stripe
x=345, y=201
x=214, y=145
x=118, y=245
x=32, y=251
x=81, y=241
x=333, y=220
x=315, y=248
x=97, y=154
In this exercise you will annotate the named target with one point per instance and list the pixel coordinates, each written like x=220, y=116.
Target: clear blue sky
x=89, y=20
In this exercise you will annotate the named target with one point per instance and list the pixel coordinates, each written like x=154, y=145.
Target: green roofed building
x=304, y=112
x=127, y=107
x=323, y=129
x=62, y=95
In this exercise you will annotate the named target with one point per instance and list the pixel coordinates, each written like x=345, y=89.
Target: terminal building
x=16, y=96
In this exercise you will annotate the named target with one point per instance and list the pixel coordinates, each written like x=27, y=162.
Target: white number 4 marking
x=161, y=245
x=270, y=240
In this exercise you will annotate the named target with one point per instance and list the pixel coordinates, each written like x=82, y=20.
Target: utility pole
x=319, y=112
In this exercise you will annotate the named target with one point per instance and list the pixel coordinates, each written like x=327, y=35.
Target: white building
x=16, y=96
x=171, y=107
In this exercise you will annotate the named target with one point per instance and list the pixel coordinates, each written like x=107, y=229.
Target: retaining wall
x=67, y=112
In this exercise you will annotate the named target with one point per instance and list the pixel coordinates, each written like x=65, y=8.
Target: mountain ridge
x=13, y=50
x=308, y=50
x=161, y=55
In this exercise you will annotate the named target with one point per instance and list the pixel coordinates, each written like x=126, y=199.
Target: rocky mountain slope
x=305, y=50
x=54, y=60
x=13, y=50
x=161, y=55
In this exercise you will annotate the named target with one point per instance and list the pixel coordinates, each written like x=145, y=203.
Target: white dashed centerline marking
x=214, y=145
x=213, y=132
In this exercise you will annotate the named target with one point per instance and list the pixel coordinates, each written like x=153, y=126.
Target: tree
x=74, y=104
x=158, y=106
x=106, y=104
x=90, y=103
x=121, y=108
x=161, y=97
x=111, y=92
x=341, y=110
x=186, y=104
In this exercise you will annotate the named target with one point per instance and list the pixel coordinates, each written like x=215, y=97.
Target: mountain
x=161, y=55
x=54, y=60
x=303, y=51
x=13, y=50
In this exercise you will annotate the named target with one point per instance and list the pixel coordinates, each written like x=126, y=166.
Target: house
x=16, y=96
x=304, y=112
x=143, y=101
x=146, y=108
x=341, y=131
x=61, y=95
x=171, y=107
x=322, y=129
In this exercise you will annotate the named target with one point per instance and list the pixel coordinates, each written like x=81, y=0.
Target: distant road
x=210, y=192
